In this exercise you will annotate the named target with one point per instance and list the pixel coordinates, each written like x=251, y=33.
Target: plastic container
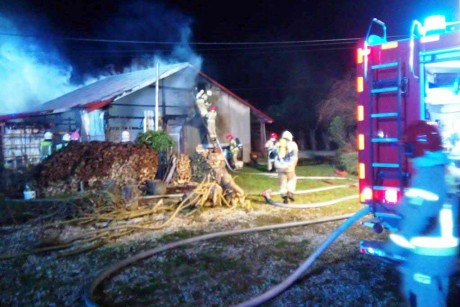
x=29, y=195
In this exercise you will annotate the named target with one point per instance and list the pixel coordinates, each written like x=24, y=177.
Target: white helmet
x=66, y=137
x=125, y=136
x=48, y=135
x=287, y=135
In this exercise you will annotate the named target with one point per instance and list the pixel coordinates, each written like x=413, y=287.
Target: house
x=125, y=105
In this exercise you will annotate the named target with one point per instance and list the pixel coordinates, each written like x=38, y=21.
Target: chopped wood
x=90, y=165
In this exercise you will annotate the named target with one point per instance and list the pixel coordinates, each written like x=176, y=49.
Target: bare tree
x=341, y=102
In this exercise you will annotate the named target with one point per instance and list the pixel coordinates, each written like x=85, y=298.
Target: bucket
x=29, y=195
x=156, y=187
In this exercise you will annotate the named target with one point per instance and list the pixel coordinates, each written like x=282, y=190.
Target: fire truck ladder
x=386, y=90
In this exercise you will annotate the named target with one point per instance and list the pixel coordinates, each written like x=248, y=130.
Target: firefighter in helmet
x=202, y=101
x=64, y=142
x=75, y=135
x=270, y=151
x=234, y=150
x=211, y=122
x=46, y=145
x=286, y=157
x=423, y=146
x=427, y=240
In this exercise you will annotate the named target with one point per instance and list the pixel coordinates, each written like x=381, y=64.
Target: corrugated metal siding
x=176, y=105
x=233, y=117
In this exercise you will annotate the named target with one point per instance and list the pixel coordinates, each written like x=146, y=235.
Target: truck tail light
x=366, y=194
x=391, y=196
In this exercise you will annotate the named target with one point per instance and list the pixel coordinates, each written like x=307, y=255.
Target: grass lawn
x=255, y=179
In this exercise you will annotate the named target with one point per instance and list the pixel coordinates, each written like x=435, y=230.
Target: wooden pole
x=157, y=96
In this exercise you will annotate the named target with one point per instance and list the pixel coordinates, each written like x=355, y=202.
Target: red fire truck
x=398, y=82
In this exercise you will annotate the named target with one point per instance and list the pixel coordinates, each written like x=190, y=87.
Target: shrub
x=346, y=156
x=347, y=161
x=158, y=140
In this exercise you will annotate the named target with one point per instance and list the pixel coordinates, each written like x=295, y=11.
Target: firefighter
x=211, y=122
x=286, y=157
x=46, y=145
x=125, y=136
x=428, y=187
x=65, y=141
x=202, y=102
x=75, y=135
x=270, y=151
x=233, y=150
x=427, y=239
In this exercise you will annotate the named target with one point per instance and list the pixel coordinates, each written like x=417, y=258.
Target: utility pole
x=157, y=96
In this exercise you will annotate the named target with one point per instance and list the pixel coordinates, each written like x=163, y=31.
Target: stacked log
x=200, y=166
x=183, y=171
x=89, y=165
x=210, y=164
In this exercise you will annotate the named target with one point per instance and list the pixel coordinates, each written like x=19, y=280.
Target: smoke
x=164, y=35
x=31, y=72
x=34, y=69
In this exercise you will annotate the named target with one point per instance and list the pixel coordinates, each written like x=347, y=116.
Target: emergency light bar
x=434, y=24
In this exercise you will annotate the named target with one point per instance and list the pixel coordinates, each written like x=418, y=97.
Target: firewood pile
x=89, y=165
x=219, y=187
x=200, y=167
x=212, y=193
x=183, y=170
x=109, y=212
x=205, y=162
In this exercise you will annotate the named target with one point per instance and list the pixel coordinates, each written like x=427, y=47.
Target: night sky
x=261, y=50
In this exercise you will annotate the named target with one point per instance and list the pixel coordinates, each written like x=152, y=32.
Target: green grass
x=252, y=181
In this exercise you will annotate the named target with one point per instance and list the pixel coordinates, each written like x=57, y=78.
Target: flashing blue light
x=373, y=40
x=434, y=24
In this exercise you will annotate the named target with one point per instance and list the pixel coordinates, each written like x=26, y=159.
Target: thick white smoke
x=31, y=72
x=150, y=22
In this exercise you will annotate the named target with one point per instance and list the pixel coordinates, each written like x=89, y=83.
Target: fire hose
x=89, y=291
x=266, y=194
x=225, y=158
x=307, y=264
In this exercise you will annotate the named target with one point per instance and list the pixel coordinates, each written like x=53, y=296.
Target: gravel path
x=219, y=272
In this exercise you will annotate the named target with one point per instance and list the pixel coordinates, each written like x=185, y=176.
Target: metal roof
x=108, y=89
x=103, y=92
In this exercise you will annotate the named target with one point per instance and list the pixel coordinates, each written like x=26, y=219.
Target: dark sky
x=245, y=45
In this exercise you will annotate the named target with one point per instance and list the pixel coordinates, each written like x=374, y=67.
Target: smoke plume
x=35, y=69
x=31, y=71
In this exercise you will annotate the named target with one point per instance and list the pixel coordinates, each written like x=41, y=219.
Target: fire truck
x=398, y=82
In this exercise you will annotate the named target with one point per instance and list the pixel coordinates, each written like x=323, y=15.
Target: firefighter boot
x=290, y=196
x=285, y=199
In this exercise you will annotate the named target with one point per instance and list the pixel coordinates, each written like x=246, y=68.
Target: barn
x=127, y=104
